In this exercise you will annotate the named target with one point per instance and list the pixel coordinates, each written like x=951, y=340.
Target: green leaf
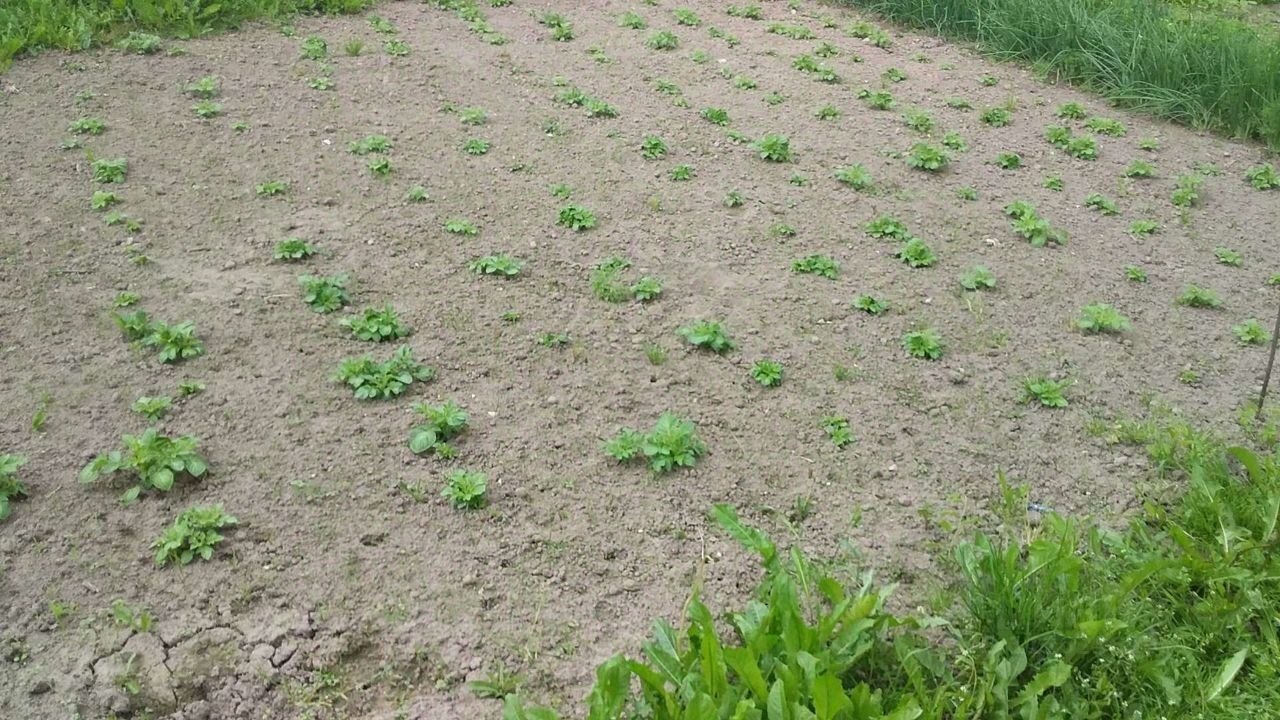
x=748, y=537
x=613, y=685
x=1226, y=674
x=196, y=466
x=907, y=710
x=777, y=707
x=162, y=479
x=829, y=699
x=131, y=494
x=422, y=439
x=663, y=654
x=701, y=707
x=747, y=667
x=1249, y=460
x=4, y=506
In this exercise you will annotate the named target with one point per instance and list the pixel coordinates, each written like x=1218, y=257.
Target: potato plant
x=152, y=460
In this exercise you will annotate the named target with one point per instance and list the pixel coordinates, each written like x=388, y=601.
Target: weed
x=748, y=12
x=107, y=171
x=817, y=265
x=293, y=249
x=798, y=180
x=271, y=188
x=1009, y=161
x=996, y=116
x=125, y=616
x=322, y=82
x=1133, y=273
x=743, y=82
x=553, y=340
x=193, y=535
x=11, y=488
x=685, y=16
x=1249, y=332
x=605, y=281
x=652, y=147
x=353, y=47
x=663, y=40
x=916, y=253
x=154, y=461
x=775, y=98
x=475, y=146
x=443, y=423
x=927, y=157
x=924, y=343
x=870, y=304
x=324, y=293
x=866, y=31
x=1198, y=297
x=458, y=226
x=1227, y=256
x=978, y=277
x=1143, y=227
x=1149, y=144
x=959, y=103
x=655, y=354
x=576, y=217
x=709, y=335
x=795, y=32
x=855, y=176
x=370, y=144
x=561, y=190
x=501, y=265
x=1045, y=391
x=152, y=408
x=1263, y=177
x=371, y=380
x=376, y=325
x=1101, y=318
x=1140, y=169
x=1100, y=203
x=673, y=443
x=466, y=489
x=767, y=372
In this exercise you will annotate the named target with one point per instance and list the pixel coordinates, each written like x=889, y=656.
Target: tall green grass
x=1175, y=616
x=1202, y=69
x=28, y=26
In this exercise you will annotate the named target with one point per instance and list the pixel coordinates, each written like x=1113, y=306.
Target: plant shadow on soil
x=339, y=589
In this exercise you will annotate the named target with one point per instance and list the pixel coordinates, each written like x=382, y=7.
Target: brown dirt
x=336, y=568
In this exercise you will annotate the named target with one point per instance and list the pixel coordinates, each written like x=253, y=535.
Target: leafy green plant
x=968, y=192
x=1227, y=256
x=916, y=253
x=353, y=47
x=194, y=534
x=817, y=265
x=473, y=116
x=314, y=48
x=187, y=388
x=1071, y=111
x=87, y=126
x=795, y=32
x=885, y=226
x=11, y=488
x=1045, y=391
x=924, y=156
x=918, y=120
x=767, y=372
x=837, y=430
x=576, y=217
x=652, y=147
x=466, y=489
x=606, y=282
x=107, y=171
x=101, y=200
x=877, y=99
x=632, y=20
x=673, y=443
x=827, y=112
x=734, y=199
x=376, y=325
x=681, y=172
x=443, y=423
x=1009, y=161
x=324, y=293
x=1084, y=147
x=379, y=166
x=140, y=43
x=646, y=289
x=371, y=380
x=1249, y=332
x=743, y=82
x=1133, y=273
x=1143, y=227
x=774, y=148
x=1199, y=297
x=747, y=12
x=1149, y=144
x=1187, y=192
x=1031, y=226
x=959, y=103
x=501, y=265
x=685, y=16
x=152, y=408
x=395, y=47
x=1263, y=177
x=271, y=188
x=1101, y=318
x=1106, y=126
x=1140, y=169
x=996, y=116
x=206, y=109
x=293, y=249
x=978, y=277
x=663, y=40
x=719, y=116
x=709, y=335
x=953, y=141
x=370, y=144
x=174, y=342
x=475, y=146
x=855, y=176
x=125, y=298
x=924, y=343
x=1057, y=135
x=870, y=304
x=153, y=460
x=1054, y=183
x=1100, y=203
x=458, y=226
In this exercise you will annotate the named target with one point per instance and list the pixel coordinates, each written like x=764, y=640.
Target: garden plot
x=466, y=319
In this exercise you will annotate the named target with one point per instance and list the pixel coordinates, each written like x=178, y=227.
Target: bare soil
x=339, y=595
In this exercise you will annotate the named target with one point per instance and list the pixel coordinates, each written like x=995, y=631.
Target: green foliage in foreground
x=30, y=25
x=1201, y=68
x=1172, y=616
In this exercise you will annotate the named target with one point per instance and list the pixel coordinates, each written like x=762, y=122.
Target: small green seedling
x=708, y=335
x=11, y=488
x=1140, y=169
x=734, y=199
x=646, y=289
x=1084, y=147
x=126, y=298
x=458, y=226
x=1057, y=135
x=996, y=116
x=664, y=40
x=870, y=304
x=1101, y=318
x=1143, y=227
x=837, y=430
x=206, y=109
x=953, y=141
x=855, y=176
x=376, y=325
x=272, y=188
x=817, y=265
x=1009, y=161
x=1263, y=177
x=501, y=265
x=1133, y=273
x=194, y=534
x=473, y=116
x=152, y=408
x=929, y=158
x=1072, y=111
x=719, y=116
x=1249, y=332
x=1106, y=126
x=925, y=344
x=916, y=253
x=475, y=146
x=107, y=171
x=174, y=342
x=774, y=148
x=370, y=144
x=87, y=126
x=101, y=200
x=827, y=112
x=576, y=217
x=681, y=172
x=140, y=43
x=1053, y=183
x=1045, y=391
x=782, y=230
x=978, y=277
x=443, y=423
x=353, y=47
x=885, y=226
x=1149, y=144
x=371, y=380
x=153, y=460
x=632, y=21
x=314, y=48
x=1227, y=256
x=877, y=99
x=561, y=190
x=1187, y=192
x=652, y=147
x=1198, y=297
x=187, y=388
x=466, y=489
x=324, y=293
x=396, y=48
x=968, y=192
x=673, y=443
x=293, y=249
x=554, y=340
x=379, y=166
x=1100, y=203
x=767, y=372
